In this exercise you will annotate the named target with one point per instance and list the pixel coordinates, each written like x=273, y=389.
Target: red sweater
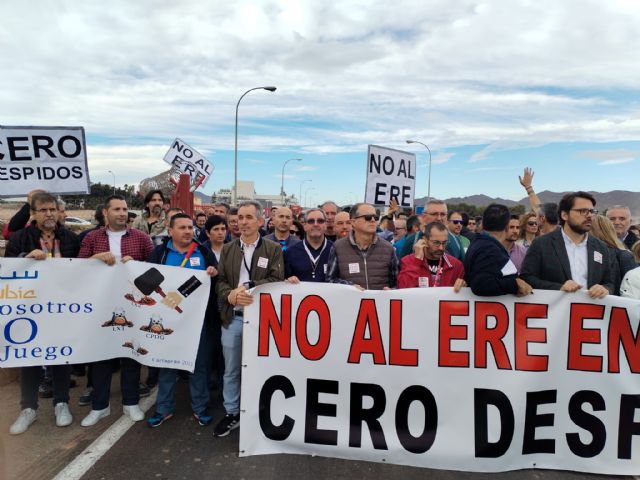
x=412, y=268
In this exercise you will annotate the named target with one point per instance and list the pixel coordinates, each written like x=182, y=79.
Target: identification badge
x=423, y=282
x=262, y=262
x=194, y=261
x=354, y=268
x=597, y=257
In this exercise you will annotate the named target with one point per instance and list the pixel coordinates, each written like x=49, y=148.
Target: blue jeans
x=232, y=350
x=198, y=380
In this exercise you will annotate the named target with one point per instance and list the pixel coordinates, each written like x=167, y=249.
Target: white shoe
x=25, y=419
x=63, y=415
x=134, y=412
x=94, y=416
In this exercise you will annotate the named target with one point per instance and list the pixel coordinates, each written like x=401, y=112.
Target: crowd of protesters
x=567, y=246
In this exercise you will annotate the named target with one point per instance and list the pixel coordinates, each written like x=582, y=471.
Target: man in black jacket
x=569, y=259
x=43, y=238
x=176, y=250
x=488, y=268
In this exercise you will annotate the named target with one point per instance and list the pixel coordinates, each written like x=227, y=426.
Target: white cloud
x=504, y=74
x=306, y=168
x=616, y=161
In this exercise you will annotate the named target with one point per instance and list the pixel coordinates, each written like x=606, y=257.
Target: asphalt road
x=181, y=449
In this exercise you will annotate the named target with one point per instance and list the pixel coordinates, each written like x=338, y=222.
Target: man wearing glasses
x=307, y=261
x=430, y=266
x=569, y=259
x=44, y=238
x=434, y=211
x=363, y=259
x=455, y=224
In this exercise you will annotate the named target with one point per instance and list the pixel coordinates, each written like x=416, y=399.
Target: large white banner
x=390, y=174
x=188, y=160
x=431, y=378
x=51, y=158
x=77, y=311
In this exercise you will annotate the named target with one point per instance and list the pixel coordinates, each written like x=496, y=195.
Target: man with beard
x=151, y=221
x=430, y=266
x=307, y=260
x=516, y=251
x=342, y=225
x=44, y=238
x=569, y=259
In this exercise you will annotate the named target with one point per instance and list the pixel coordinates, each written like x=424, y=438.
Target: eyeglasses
x=438, y=243
x=532, y=224
x=46, y=210
x=313, y=221
x=585, y=211
x=437, y=214
x=456, y=222
x=368, y=218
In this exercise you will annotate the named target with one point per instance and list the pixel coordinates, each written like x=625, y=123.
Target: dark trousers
x=30, y=378
x=101, y=373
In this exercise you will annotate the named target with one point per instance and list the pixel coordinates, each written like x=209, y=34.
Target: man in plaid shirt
x=115, y=243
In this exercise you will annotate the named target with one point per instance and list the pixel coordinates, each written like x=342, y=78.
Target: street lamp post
x=306, y=192
x=282, y=181
x=429, y=176
x=235, y=150
x=302, y=183
x=114, y=181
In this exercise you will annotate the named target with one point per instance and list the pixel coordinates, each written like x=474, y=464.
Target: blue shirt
x=175, y=258
x=289, y=242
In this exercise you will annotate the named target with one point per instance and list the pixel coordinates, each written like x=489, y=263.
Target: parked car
x=76, y=221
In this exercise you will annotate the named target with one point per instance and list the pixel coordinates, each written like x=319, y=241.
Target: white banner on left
x=59, y=311
x=51, y=158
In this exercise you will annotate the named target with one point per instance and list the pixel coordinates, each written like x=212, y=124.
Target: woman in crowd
x=602, y=228
x=297, y=230
x=528, y=229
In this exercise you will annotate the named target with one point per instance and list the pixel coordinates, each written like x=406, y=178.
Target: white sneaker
x=25, y=419
x=63, y=415
x=134, y=412
x=94, y=416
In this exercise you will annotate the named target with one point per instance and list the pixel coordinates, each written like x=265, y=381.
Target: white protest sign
x=118, y=311
x=437, y=379
x=187, y=160
x=51, y=158
x=390, y=174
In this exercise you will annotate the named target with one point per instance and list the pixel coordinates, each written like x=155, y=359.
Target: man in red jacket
x=430, y=266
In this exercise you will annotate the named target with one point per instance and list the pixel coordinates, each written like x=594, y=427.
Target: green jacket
x=229, y=271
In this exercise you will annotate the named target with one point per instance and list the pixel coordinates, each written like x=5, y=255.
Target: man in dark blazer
x=569, y=259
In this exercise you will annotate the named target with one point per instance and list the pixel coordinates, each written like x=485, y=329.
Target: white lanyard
x=314, y=261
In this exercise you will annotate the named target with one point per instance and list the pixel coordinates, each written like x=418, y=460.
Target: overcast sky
x=490, y=86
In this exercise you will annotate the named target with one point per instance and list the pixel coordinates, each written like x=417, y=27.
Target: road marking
x=101, y=445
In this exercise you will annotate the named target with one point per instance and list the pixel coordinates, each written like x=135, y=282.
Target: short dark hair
x=514, y=217
x=201, y=214
x=465, y=219
x=177, y=216
x=412, y=221
x=112, y=197
x=232, y=211
x=568, y=201
x=131, y=215
x=452, y=213
x=214, y=220
x=42, y=197
x=437, y=225
x=151, y=193
x=549, y=211
x=99, y=215
x=495, y=218
x=223, y=204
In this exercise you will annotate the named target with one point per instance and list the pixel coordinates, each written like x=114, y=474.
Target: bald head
x=282, y=220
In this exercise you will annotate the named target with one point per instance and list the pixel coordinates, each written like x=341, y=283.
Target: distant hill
x=604, y=200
